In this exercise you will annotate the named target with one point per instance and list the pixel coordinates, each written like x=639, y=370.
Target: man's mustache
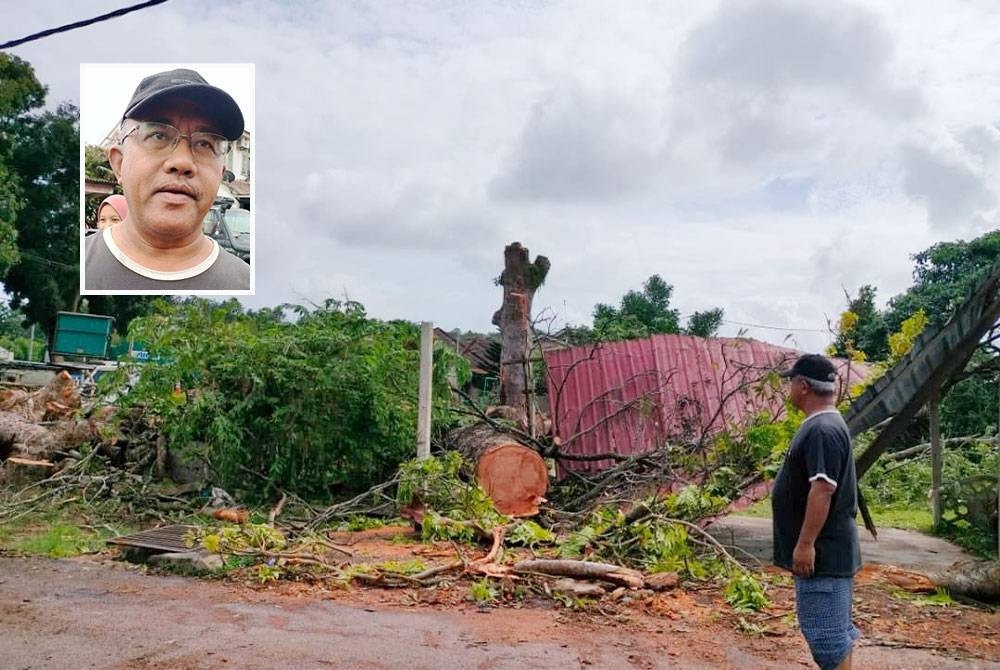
x=178, y=188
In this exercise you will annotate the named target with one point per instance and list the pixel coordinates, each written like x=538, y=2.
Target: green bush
x=897, y=485
x=894, y=487
x=313, y=402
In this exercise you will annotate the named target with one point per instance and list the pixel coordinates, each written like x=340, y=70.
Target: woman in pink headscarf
x=112, y=210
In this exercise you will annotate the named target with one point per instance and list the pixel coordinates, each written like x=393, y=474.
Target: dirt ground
x=97, y=612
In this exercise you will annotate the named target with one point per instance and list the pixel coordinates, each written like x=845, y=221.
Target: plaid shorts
x=823, y=606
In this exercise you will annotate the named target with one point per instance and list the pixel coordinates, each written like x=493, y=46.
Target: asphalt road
x=70, y=614
x=81, y=614
x=902, y=548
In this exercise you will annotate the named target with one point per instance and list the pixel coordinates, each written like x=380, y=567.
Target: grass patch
x=60, y=541
x=57, y=533
x=760, y=509
x=921, y=520
x=913, y=518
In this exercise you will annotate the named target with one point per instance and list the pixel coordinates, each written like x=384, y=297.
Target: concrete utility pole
x=424, y=404
x=998, y=467
x=937, y=455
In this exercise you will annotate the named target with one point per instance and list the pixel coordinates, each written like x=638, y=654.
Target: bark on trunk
x=513, y=475
x=973, y=579
x=607, y=572
x=520, y=279
x=30, y=440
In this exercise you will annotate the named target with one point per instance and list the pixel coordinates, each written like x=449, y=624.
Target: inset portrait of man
x=169, y=155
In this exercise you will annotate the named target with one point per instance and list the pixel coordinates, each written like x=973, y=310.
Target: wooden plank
x=30, y=462
x=165, y=538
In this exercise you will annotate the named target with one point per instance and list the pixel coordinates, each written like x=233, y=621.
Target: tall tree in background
x=944, y=276
x=642, y=314
x=44, y=162
x=705, y=324
x=20, y=93
x=869, y=333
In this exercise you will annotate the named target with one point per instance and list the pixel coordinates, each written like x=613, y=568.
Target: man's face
x=168, y=192
x=797, y=390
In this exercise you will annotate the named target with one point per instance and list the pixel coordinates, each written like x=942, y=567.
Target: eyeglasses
x=162, y=138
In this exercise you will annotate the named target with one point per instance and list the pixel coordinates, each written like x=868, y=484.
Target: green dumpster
x=87, y=335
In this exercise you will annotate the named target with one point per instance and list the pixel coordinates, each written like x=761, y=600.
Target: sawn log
x=512, y=474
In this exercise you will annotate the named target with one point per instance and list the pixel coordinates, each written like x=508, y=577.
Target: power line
x=42, y=259
x=81, y=24
x=757, y=325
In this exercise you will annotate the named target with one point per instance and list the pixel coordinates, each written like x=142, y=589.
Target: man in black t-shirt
x=814, y=504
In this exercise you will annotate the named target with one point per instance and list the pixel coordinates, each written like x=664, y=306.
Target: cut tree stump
x=20, y=472
x=520, y=278
x=513, y=475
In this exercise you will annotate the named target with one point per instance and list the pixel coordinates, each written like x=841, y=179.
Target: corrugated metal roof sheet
x=164, y=538
x=631, y=397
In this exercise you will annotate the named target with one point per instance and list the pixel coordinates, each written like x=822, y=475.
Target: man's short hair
x=820, y=388
x=817, y=370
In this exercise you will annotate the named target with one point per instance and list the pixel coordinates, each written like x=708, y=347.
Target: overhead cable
x=80, y=24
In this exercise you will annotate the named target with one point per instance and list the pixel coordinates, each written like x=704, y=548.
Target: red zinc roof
x=631, y=397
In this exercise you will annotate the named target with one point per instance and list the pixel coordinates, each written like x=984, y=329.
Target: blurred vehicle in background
x=229, y=226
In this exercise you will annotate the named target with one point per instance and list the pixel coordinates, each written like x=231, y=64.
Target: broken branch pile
x=50, y=454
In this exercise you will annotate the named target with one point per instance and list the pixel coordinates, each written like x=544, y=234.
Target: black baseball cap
x=816, y=368
x=190, y=85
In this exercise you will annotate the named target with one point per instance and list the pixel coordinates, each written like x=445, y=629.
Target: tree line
x=39, y=206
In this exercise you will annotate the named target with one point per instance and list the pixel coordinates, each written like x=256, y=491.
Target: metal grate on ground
x=165, y=539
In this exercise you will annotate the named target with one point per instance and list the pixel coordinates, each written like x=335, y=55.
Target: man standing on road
x=814, y=503
x=169, y=159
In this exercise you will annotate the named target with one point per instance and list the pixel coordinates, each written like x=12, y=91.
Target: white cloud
x=955, y=186
x=757, y=154
x=579, y=145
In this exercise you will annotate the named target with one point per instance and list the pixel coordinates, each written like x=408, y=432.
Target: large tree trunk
x=520, y=279
x=973, y=579
x=513, y=475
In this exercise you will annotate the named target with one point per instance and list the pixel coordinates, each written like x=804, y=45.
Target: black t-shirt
x=821, y=448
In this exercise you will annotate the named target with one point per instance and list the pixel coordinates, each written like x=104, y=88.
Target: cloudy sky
x=761, y=156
